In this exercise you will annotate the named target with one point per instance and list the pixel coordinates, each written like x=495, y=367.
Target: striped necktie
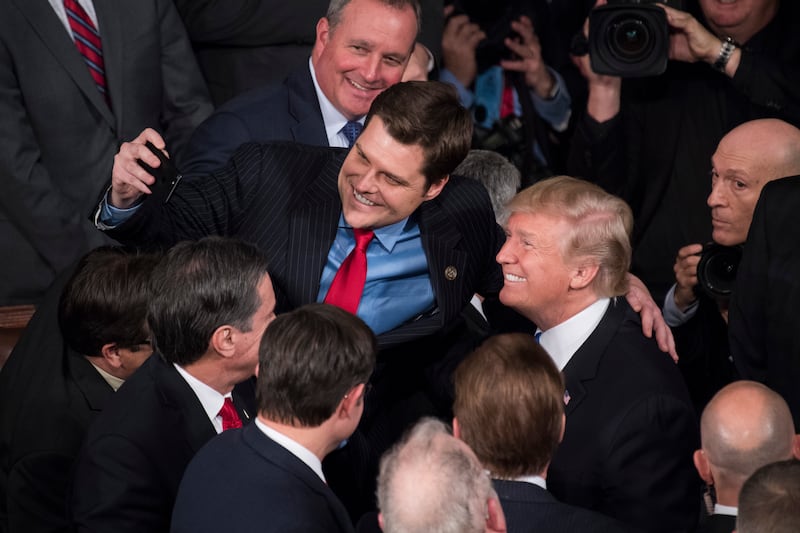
x=87, y=40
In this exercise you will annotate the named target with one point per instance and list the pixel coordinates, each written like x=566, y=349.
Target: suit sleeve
x=186, y=99
x=649, y=474
x=115, y=489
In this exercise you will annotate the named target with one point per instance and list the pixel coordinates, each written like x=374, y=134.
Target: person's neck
x=208, y=370
x=728, y=496
x=574, y=302
x=314, y=439
x=747, y=30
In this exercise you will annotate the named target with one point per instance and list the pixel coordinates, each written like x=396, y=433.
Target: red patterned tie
x=348, y=284
x=230, y=418
x=87, y=40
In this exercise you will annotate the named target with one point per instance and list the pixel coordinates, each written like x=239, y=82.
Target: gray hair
x=336, y=9
x=498, y=175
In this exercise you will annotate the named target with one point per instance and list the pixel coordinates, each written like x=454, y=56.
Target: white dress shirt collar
x=334, y=120
x=563, y=340
x=726, y=510
x=210, y=399
x=293, y=447
x=535, y=480
x=61, y=13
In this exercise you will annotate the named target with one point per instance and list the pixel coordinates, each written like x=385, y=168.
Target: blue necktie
x=351, y=131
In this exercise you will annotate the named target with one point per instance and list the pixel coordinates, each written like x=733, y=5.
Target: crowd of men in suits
x=331, y=200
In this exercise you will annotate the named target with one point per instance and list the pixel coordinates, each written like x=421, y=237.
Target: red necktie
x=230, y=418
x=348, y=284
x=87, y=40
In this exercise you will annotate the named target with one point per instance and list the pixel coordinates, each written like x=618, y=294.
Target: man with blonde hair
x=630, y=427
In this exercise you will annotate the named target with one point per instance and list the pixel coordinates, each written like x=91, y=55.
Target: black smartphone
x=167, y=175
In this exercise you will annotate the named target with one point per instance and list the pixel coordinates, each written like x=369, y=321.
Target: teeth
x=357, y=86
x=512, y=277
x=363, y=199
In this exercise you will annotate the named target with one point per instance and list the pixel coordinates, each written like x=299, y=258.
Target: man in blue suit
x=362, y=48
x=314, y=364
x=509, y=409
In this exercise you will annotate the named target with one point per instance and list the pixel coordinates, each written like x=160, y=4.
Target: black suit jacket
x=129, y=468
x=284, y=198
x=630, y=432
x=530, y=508
x=764, y=319
x=287, y=111
x=718, y=523
x=244, y=481
x=57, y=135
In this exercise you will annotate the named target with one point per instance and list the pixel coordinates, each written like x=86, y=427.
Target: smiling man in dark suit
x=630, y=431
x=212, y=300
x=58, y=134
x=314, y=363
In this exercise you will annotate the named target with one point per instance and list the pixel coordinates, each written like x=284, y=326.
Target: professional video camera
x=630, y=38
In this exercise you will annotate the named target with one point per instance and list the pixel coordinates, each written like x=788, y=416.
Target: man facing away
x=509, y=409
x=314, y=364
x=212, y=301
x=431, y=481
x=744, y=427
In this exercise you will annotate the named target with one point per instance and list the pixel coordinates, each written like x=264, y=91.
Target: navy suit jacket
x=244, y=481
x=129, y=468
x=284, y=198
x=530, y=508
x=630, y=432
x=718, y=523
x=279, y=112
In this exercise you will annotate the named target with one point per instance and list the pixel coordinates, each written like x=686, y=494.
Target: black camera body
x=629, y=38
x=716, y=271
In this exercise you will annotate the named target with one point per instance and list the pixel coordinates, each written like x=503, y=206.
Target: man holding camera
x=747, y=158
x=733, y=62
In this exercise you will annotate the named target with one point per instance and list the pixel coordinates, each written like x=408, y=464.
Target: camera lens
x=629, y=39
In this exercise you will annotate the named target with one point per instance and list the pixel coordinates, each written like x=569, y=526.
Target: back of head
x=745, y=426
x=105, y=301
x=200, y=286
x=498, y=175
x=431, y=482
x=509, y=404
x=427, y=114
x=308, y=360
x=770, y=500
x=600, y=227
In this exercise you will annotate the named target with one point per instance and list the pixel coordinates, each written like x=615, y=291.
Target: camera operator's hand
x=460, y=38
x=686, y=275
x=690, y=41
x=604, y=91
x=129, y=181
x=529, y=51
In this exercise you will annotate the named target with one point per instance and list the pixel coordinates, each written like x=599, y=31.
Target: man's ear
x=350, y=401
x=110, y=353
x=380, y=521
x=223, y=340
x=563, y=427
x=583, y=275
x=796, y=447
x=323, y=31
x=435, y=188
x=703, y=466
x=495, y=519
x=456, y=429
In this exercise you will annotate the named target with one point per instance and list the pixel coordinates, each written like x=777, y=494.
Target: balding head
x=745, y=426
x=432, y=481
x=746, y=159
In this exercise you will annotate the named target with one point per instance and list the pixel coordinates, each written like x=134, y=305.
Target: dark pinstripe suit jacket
x=284, y=198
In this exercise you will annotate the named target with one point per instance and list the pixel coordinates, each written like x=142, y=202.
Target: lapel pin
x=450, y=273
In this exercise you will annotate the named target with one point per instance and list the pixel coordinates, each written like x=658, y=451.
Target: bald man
x=744, y=427
x=747, y=158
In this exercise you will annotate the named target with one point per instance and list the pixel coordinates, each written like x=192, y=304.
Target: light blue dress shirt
x=398, y=286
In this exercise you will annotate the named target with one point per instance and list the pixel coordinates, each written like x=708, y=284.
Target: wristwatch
x=725, y=52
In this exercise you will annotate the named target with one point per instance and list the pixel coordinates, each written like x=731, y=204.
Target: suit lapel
x=304, y=107
x=582, y=367
x=51, y=31
x=91, y=384
x=312, y=229
x=181, y=403
x=112, y=35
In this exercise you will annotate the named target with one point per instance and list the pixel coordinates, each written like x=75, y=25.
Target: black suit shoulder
x=718, y=523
